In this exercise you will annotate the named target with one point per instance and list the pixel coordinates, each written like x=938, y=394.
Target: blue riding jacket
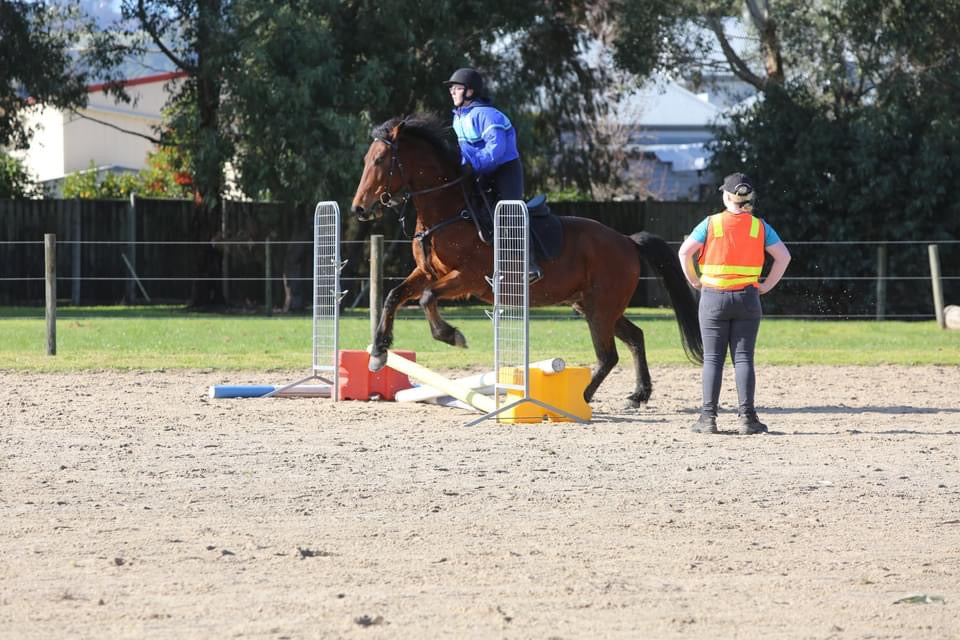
x=486, y=136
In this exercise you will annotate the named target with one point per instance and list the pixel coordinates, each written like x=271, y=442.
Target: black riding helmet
x=470, y=78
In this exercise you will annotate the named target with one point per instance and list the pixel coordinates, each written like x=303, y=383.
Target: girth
x=546, y=230
x=423, y=237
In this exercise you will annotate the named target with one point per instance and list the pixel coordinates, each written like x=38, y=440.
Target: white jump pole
x=449, y=387
x=933, y=252
x=478, y=382
x=482, y=382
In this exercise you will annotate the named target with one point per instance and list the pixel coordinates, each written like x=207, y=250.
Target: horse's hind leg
x=601, y=333
x=632, y=336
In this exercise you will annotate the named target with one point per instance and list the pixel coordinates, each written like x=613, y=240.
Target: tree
x=315, y=76
x=288, y=90
x=563, y=90
x=90, y=185
x=306, y=110
x=36, y=65
x=164, y=177
x=198, y=38
x=854, y=133
x=844, y=52
x=293, y=107
x=15, y=181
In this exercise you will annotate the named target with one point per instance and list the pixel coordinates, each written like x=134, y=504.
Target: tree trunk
x=207, y=157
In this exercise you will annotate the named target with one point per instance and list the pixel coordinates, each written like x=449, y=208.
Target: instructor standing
x=732, y=246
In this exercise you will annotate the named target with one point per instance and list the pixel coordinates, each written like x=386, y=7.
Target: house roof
x=132, y=82
x=682, y=157
x=662, y=102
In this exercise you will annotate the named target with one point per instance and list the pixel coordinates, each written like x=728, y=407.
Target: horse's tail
x=662, y=259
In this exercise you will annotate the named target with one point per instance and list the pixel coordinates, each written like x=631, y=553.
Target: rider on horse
x=488, y=142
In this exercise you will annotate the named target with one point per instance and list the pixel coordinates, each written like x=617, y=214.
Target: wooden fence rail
x=112, y=251
x=119, y=251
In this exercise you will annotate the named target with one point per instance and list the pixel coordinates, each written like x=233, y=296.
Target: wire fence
x=811, y=287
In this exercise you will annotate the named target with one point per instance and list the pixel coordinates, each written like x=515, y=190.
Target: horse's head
x=416, y=143
x=382, y=176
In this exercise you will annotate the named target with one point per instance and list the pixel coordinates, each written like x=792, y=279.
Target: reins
x=388, y=199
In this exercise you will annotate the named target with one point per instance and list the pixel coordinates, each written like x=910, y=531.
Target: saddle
x=546, y=228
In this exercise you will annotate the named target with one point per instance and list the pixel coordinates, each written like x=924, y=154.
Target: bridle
x=391, y=201
x=386, y=198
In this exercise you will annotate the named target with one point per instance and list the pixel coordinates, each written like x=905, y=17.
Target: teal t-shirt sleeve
x=769, y=235
x=699, y=232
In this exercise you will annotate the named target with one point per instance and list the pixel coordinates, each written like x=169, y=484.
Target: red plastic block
x=357, y=382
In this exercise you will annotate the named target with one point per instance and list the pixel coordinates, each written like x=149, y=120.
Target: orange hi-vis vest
x=732, y=256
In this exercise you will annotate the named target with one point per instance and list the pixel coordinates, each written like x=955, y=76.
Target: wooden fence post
x=376, y=283
x=50, y=290
x=881, y=281
x=268, y=278
x=934, y=253
x=225, y=256
x=130, y=291
x=77, y=270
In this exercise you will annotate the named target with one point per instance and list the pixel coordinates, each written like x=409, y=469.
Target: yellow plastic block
x=563, y=390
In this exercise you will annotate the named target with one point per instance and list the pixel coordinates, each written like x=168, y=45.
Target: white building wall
x=104, y=133
x=43, y=159
x=86, y=142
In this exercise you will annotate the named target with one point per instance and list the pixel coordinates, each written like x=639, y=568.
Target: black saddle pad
x=546, y=232
x=546, y=229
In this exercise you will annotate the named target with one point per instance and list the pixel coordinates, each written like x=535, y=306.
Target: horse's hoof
x=377, y=362
x=459, y=340
x=636, y=401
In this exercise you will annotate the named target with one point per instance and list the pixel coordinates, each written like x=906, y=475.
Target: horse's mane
x=427, y=127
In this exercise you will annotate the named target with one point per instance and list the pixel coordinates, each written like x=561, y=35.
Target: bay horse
x=596, y=272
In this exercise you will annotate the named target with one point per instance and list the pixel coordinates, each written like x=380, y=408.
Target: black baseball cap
x=738, y=184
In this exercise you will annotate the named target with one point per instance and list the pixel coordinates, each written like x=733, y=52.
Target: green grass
x=149, y=338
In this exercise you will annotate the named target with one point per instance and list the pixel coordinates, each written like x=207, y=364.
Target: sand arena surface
x=133, y=506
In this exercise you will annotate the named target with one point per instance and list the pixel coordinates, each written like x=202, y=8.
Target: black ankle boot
x=706, y=424
x=750, y=424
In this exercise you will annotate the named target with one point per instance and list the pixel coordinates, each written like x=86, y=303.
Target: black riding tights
x=729, y=319
x=507, y=181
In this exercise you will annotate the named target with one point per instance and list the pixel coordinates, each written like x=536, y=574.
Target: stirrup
x=534, y=275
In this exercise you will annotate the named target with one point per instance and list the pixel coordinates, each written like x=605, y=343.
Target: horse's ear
x=396, y=130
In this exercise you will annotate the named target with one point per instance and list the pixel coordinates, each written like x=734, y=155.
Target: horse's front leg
x=412, y=287
x=449, y=286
